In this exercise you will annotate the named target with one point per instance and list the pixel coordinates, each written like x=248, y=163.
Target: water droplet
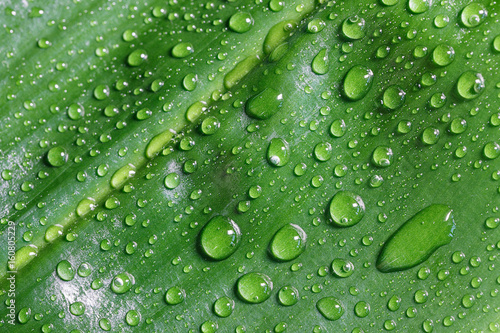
x=315, y=25
x=443, y=55
x=265, y=104
x=172, y=180
x=390, y=325
x=417, y=239
x=65, y=271
x=175, y=295
x=441, y=21
x=458, y=125
x=101, y=92
x=77, y=308
x=491, y=150
x=470, y=85
x=53, y=232
x=421, y=296
x=319, y=64
x=430, y=135
x=428, y=325
x=342, y=268
x=362, y=309
x=241, y=22
x=278, y=34
x=255, y=191
x=438, y=100
x=473, y=15
x=419, y=6
x=323, y=151
x=357, y=82
x=338, y=128
x=330, y=307
x=219, y=238
x=491, y=223
x=393, y=97
x=346, y=209
x=122, y=283
x=394, y=303
x=24, y=315
x=254, y=287
x=133, y=318
x=223, y=307
x=278, y=152
x=137, y=58
x=190, y=81
x=76, y=111
x=288, y=296
x=354, y=27
x=382, y=156
x=84, y=269
x=288, y=243
x=182, y=50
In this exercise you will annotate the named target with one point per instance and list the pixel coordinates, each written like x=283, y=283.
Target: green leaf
x=245, y=166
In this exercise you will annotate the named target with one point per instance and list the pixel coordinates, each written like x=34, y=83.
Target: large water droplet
x=354, y=27
x=418, y=6
x=122, y=283
x=182, y=50
x=254, y=287
x=288, y=296
x=417, y=239
x=330, y=307
x=323, y=151
x=393, y=97
x=219, y=238
x=223, y=307
x=265, y=104
x=278, y=152
x=357, y=82
x=346, y=209
x=137, y=58
x=491, y=150
x=175, y=295
x=443, y=55
x=342, y=268
x=288, y=243
x=65, y=271
x=470, y=85
x=320, y=62
x=473, y=15
x=241, y=22
x=382, y=156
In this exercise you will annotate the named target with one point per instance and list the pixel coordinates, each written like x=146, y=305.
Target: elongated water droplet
x=417, y=239
x=330, y=307
x=320, y=62
x=182, y=50
x=278, y=152
x=254, y=287
x=288, y=243
x=357, y=82
x=277, y=35
x=219, y=238
x=137, y=58
x=265, y=104
x=346, y=209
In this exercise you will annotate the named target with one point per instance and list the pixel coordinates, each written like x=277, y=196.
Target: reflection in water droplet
x=254, y=287
x=288, y=243
x=473, y=15
x=357, y=82
x=330, y=307
x=346, y=209
x=278, y=152
x=219, y=238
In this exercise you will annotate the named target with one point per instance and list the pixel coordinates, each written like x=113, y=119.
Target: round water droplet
x=84, y=269
x=219, y=238
x=438, y=100
x=190, y=81
x=418, y=6
x=443, y=55
x=278, y=152
x=254, y=287
x=323, y=151
x=428, y=325
x=210, y=125
x=389, y=2
x=319, y=64
x=330, y=307
x=473, y=15
x=315, y=25
x=393, y=97
x=122, y=283
x=346, y=209
x=491, y=223
x=382, y=156
x=470, y=85
x=491, y=150
x=175, y=295
x=276, y=5
x=288, y=296
x=338, y=128
x=430, y=135
x=223, y=307
x=288, y=243
x=137, y=58
x=354, y=27
x=101, y=92
x=255, y=191
x=172, y=180
x=342, y=268
x=76, y=111
x=265, y=104
x=458, y=125
x=133, y=318
x=357, y=82
x=362, y=309
x=421, y=296
x=57, y=156
x=77, y=308
x=182, y=50
x=241, y=22
x=65, y=271
x=441, y=21
x=394, y=303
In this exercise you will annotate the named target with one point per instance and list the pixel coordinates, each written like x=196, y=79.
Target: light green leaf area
x=250, y=166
